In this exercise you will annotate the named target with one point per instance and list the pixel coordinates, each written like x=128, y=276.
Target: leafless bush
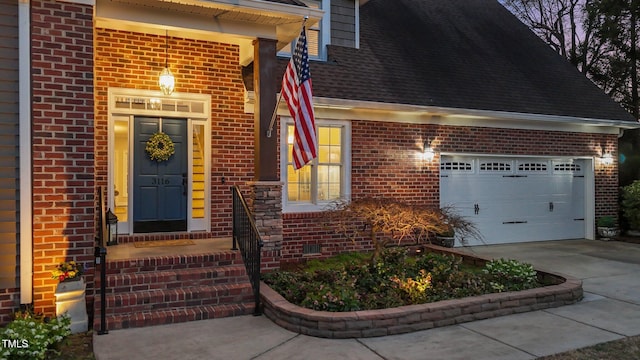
x=385, y=220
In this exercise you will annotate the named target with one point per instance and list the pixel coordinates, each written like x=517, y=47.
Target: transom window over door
x=159, y=196
x=326, y=178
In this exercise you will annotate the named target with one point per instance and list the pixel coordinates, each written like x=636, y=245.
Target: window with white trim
x=324, y=179
x=317, y=35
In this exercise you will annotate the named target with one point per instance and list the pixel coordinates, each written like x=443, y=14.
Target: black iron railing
x=101, y=261
x=247, y=238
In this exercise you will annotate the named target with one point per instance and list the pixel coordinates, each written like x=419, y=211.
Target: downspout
x=26, y=229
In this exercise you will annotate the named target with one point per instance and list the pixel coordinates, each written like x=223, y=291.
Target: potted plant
x=607, y=227
x=446, y=237
x=631, y=207
x=68, y=271
x=70, y=294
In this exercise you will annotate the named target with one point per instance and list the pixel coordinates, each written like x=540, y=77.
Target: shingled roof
x=467, y=54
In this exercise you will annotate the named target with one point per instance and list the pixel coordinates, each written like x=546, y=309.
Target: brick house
x=520, y=140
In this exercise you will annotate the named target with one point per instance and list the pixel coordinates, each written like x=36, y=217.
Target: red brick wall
x=134, y=61
x=9, y=303
x=384, y=163
x=63, y=161
x=311, y=228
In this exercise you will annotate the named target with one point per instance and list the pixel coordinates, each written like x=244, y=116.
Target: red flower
x=61, y=278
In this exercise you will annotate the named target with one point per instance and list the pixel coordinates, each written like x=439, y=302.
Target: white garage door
x=516, y=199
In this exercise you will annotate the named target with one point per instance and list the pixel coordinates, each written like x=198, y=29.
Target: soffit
x=236, y=22
x=217, y=10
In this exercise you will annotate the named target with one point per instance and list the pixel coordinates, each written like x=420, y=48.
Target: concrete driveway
x=610, y=310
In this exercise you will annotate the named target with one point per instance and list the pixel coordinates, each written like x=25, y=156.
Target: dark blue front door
x=160, y=188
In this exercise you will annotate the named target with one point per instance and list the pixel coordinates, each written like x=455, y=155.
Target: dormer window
x=318, y=35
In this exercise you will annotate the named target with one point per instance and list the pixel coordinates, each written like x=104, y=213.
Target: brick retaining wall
x=404, y=319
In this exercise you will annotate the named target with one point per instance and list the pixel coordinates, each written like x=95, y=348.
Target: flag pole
x=273, y=116
x=275, y=110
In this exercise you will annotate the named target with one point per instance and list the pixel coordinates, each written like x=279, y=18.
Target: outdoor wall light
x=166, y=81
x=427, y=151
x=112, y=228
x=605, y=157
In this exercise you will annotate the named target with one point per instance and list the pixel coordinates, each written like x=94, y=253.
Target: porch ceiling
x=228, y=21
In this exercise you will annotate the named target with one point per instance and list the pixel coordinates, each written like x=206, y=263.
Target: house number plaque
x=160, y=181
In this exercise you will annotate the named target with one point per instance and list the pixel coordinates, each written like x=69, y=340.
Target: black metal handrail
x=101, y=261
x=247, y=237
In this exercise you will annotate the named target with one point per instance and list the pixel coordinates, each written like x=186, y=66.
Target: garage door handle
x=551, y=206
x=514, y=222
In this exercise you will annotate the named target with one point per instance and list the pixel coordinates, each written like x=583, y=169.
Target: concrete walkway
x=610, y=310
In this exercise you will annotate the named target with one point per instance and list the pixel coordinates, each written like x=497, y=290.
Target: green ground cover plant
x=33, y=336
x=351, y=282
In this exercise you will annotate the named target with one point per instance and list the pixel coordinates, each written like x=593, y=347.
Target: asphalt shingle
x=468, y=54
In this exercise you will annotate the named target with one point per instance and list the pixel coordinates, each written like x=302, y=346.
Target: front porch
x=133, y=250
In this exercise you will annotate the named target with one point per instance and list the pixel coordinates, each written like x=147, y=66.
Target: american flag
x=296, y=90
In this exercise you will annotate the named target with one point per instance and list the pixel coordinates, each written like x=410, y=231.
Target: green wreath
x=160, y=147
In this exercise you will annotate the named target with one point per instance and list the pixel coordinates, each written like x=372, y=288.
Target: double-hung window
x=317, y=35
x=326, y=178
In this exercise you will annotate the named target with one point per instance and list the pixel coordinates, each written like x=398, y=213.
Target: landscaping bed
x=559, y=290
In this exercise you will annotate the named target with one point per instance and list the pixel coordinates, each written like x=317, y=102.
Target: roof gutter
x=434, y=111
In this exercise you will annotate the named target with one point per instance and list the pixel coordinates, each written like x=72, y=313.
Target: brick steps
x=176, y=262
x=172, y=316
x=169, y=289
x=176, y=298
x=170, y=279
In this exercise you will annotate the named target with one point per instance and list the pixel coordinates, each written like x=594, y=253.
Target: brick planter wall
x=371, y=323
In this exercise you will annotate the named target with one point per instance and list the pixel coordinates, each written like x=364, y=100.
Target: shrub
x=510, y=275
x=631, y=204
x=34, y=334
x=459, y=284
x=440, y=266
x=385, y=220
x=391, y=262
x=416, y=290
x=606, y=221
x=288, y=284
x=332, y=297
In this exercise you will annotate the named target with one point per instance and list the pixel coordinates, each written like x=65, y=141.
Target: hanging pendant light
x=166, y=80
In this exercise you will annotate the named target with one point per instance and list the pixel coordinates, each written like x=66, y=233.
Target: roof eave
x=437, y=111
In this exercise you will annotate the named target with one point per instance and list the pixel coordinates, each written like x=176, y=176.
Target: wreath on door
x=160, y=147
